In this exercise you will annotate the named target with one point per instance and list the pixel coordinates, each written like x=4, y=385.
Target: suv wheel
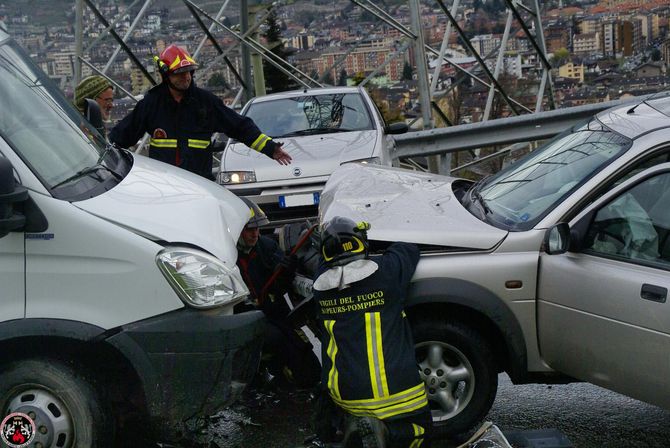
x=65, y=408
x=456, y=364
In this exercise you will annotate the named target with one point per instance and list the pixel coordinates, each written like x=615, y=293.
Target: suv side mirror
x=9, y=194
x=557, y=239
x=578, y=232
x=397, y=128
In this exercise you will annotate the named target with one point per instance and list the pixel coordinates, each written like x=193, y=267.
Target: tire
x=456, y=363
x=64, y=406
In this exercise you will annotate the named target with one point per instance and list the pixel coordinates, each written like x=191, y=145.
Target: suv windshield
x=520, y=195
x=311, y=114
x=40, y=124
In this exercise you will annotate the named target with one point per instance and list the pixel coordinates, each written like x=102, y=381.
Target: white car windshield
x=519, y=196
x=311, y=114
x=44, y=129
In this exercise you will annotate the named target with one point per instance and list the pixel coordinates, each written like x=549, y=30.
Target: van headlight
x=199, y=279
x=236, y=177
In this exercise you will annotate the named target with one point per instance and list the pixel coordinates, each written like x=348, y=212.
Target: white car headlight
x=236, y=177
x=201, y=280
x=371, y=160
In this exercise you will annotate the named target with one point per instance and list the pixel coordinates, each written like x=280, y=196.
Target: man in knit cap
x=97, y=88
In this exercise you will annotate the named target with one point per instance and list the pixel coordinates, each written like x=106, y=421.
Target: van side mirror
x=557, y=239
x=10, y=193
x=397, y=128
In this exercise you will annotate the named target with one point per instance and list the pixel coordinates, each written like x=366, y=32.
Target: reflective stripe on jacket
x=181, y=132
x=367, y=349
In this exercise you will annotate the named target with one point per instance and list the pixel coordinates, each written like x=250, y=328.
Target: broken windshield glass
x=311, y=114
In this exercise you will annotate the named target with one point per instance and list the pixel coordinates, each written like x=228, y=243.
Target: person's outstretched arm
x=245, y=130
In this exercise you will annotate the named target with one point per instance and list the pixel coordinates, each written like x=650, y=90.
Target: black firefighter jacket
x=368, y=357
x=181, y=132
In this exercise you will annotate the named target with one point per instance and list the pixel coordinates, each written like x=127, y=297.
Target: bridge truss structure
x=243, y=59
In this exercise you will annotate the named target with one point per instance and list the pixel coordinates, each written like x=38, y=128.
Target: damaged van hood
x=403, y=205
x=165, y=203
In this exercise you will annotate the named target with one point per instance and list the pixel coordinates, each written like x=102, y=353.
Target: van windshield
x=38, y=122
x=520, y=195
x=311, y=114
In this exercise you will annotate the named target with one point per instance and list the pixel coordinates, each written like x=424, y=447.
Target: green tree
x=342, y=79
x=407, y=71
x=217, y=80
x=560, y=57
x=494, y=6
x=655, y=54
x=358, y=78
x=275, y=79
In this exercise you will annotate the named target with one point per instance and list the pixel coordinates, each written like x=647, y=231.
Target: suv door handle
x=654, y=293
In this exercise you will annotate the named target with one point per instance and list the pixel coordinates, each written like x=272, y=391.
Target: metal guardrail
x=502, y=131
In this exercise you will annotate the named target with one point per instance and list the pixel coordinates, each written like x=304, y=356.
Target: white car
x=321, y=129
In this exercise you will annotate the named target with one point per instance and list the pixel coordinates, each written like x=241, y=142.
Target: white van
x=117, y=279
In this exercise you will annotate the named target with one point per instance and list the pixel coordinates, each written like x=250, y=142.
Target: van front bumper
x=191, y=363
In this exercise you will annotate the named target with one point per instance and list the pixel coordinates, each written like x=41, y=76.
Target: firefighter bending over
x=369, y=367
x=287, y=353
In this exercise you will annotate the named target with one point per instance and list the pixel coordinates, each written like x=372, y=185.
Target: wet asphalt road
x=589, y=416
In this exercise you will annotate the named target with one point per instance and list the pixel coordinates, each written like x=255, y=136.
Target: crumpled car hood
x=313, y=155
x=162, y=202
x=403, y=205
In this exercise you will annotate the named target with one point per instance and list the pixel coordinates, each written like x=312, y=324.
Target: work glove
x=289, y=263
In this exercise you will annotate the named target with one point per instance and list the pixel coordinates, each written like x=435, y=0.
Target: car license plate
x=296, y=200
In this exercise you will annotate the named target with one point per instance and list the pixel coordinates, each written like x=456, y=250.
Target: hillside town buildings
x=585, y=41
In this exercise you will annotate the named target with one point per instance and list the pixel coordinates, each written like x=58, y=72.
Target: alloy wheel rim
x=448, y=376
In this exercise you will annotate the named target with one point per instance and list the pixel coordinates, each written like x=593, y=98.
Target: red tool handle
x=280, y=268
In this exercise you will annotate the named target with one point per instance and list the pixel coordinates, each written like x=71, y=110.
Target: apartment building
x=572, y=71
x=586, y=44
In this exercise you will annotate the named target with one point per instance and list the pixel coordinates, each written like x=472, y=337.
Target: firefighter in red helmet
x=180, y=118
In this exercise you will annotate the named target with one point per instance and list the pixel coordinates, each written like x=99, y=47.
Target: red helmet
x=175, y=59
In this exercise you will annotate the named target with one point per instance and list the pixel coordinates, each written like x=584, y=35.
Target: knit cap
x=89, y=87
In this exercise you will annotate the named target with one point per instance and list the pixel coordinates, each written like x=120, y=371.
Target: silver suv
x=553, y=270
x=321, y=129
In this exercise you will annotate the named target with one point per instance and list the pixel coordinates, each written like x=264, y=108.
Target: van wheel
x=456, y=364
x=65, y=408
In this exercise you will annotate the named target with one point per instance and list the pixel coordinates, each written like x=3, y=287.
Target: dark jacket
x=367, y=349
x=257, y=266
x=181, y=132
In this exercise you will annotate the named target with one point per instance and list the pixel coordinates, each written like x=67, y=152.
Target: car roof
x=304, y=92
x=636, y=119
